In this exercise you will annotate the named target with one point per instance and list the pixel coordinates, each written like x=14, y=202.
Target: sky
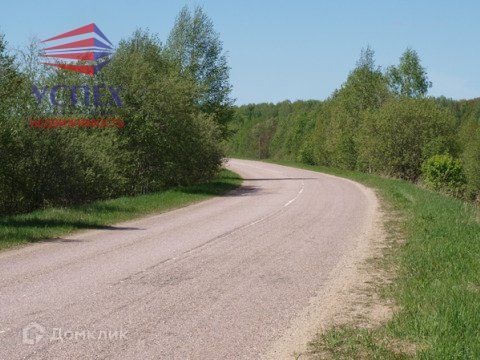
x=280, y=50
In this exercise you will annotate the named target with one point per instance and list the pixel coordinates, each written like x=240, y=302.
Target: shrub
x=471, y=160
x=263, y=132
x=444, y=173
x=402, y=134
x=307, y=150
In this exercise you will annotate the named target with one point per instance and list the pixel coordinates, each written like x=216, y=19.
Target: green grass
x=54, y=222
x=437, y=283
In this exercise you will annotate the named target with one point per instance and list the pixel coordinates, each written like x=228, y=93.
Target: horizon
x=269, y=64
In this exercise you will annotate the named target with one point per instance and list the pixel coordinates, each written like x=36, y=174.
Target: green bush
x=444, y=173
x=396, y=139
x=471, y=159
x=307, y=152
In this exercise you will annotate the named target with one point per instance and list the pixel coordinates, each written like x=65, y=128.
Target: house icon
x=32, y=333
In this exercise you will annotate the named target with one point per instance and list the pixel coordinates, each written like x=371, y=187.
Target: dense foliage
x=173, y=123
x=377, y=121
x=399, y=136
x=194, y=45
x=444, y=173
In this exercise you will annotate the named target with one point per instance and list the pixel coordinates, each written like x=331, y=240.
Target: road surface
x=220, y=279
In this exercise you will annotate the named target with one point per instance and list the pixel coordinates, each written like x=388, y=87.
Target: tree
x=366, y=88
x=470, y=139
x=195, y=45
x=409, y=78
x=11, y=129
x=167, y=139
x=10, y=79
x=397, y=138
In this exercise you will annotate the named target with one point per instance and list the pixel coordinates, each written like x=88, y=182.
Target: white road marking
x=296, y=197
x=266, y=217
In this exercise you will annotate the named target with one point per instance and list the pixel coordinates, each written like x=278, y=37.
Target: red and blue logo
x=87, y=54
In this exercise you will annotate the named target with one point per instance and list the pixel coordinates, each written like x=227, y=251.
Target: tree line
x=378, y=121
x=175, y=105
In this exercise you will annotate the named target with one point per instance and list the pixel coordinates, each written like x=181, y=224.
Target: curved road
x=220, y=279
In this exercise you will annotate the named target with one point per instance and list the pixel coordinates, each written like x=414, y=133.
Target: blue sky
x=281, y=50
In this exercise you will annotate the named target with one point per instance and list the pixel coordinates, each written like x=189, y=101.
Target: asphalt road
x=220, y=279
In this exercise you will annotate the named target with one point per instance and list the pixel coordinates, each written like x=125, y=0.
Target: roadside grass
x=54, y=222
x=436, y=285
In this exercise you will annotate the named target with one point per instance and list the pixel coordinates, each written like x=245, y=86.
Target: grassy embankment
x=437, y=281
x=54, y=222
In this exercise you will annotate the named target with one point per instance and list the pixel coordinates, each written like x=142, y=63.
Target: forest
x=378, y=121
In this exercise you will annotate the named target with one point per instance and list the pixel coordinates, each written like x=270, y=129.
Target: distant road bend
x=221, y=279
